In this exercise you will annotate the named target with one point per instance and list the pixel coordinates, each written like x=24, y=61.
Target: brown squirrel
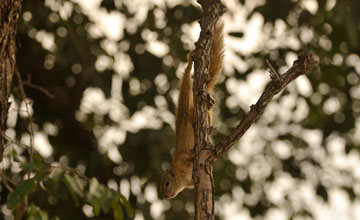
x=179, y=176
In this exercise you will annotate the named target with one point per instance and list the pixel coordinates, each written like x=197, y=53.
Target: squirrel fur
x=179, y=176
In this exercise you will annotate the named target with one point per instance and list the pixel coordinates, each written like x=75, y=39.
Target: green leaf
x=106, y=200
x=44, y=215
x=29, y=167
x=74, y=184
x=35, y=166
x=24, y=188
x=38, y=161
x=73, y=188
x=35, y=213
x=127, y=206
x=13, y=201
x=96, y=207
x=41, y=215
x=15, y=156
x=58, y=175
x=117, y=210
x=55, y=188
x=94, y=194
x=32, y=209
x=94, y=188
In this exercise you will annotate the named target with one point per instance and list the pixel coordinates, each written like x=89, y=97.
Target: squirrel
x=179, y=176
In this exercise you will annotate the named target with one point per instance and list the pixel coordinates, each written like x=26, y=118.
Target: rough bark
x=202, y=172
x=9, y=14
x=205, y=153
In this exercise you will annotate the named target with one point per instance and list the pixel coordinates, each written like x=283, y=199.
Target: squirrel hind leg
x=210, y=102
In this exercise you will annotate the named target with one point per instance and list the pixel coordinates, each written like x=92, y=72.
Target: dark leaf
x=237, y=34
x=23, y=189
x=321, y=191
x=127, y=206
x=108, y=4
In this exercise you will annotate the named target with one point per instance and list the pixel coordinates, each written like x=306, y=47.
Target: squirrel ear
x=169, y=172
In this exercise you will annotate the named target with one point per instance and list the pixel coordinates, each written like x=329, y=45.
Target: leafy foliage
x=60, y=183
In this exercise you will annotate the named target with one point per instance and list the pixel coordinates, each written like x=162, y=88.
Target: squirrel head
x=170, y=186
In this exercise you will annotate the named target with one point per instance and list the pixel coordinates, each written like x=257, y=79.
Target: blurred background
x=113, y=68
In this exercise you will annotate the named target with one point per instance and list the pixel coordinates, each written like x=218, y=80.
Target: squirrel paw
x=192, y=55
x=211, y=102
x=192, y=155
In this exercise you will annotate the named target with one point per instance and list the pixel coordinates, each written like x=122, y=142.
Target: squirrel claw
x=211, y=102
x=192, y=156
x=192, y=55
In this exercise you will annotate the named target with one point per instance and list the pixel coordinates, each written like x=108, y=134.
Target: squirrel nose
x=166, y=196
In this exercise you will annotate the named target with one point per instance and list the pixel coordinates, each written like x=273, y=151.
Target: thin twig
x=41, y=89
x=71, y=170
x=6, y=181
x=21, y=209
x=61, y=166
x=14, y=141
x=275, y=76
x=23, y=94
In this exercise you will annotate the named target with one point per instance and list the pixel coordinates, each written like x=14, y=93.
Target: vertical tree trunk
x=9, y=14
x=202, y=171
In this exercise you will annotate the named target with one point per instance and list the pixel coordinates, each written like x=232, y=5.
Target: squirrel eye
x=167, y=183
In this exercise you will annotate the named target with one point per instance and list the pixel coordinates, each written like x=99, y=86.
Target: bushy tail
x=216, y=54
x=185, y=106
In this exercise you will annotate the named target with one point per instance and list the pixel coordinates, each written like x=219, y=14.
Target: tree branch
x=29, y=84
x=303, y=64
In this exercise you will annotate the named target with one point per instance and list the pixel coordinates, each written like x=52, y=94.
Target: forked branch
x=303, y=64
